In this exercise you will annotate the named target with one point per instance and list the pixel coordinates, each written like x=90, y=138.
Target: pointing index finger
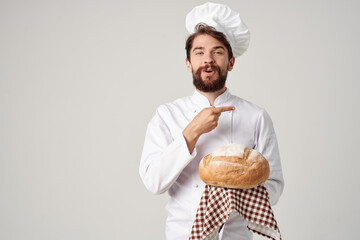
x=224, y=109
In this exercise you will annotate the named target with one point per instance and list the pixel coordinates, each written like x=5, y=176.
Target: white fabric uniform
x=167, y=165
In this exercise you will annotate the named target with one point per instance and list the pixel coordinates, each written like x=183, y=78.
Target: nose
x=208, y=58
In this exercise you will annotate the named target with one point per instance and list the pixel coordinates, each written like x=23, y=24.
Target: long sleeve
x=267, y=145
x=163, y=157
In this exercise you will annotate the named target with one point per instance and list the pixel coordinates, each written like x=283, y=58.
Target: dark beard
x=214, y=86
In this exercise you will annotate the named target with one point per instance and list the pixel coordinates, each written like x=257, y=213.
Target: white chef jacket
x=167, y=165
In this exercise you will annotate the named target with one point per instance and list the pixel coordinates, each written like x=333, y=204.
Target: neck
x=211, y=96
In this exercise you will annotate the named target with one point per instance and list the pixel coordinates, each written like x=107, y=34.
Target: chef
x=182, y=132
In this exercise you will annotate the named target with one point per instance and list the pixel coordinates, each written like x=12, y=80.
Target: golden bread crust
x=244, y=172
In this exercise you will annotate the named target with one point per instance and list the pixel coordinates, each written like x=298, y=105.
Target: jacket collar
x=201, y=101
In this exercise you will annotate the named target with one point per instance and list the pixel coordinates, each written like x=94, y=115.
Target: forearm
x=274, y=187
x=191, y=137
x=268, y=146
x=160, y=169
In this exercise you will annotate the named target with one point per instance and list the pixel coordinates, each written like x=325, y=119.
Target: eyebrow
x=214, y=48
x=197, y=48
x=217, y=47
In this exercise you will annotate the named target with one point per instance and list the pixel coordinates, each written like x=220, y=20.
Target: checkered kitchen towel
x=217, y=203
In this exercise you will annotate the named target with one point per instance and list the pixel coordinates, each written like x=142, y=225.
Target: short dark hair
x=202, y=28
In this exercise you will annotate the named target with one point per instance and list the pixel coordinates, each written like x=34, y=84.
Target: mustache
x=212, y=66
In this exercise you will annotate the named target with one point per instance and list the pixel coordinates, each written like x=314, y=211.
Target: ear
x=231, y=64
x=188, y=65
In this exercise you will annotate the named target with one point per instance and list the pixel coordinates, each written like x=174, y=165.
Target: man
x=184, y=131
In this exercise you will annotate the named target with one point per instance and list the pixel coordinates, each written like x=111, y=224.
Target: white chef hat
x=224, y=20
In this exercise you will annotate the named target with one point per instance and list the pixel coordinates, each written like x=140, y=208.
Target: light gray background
x=79, y=81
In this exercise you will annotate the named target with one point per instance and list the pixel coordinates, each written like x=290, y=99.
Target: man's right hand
x=204, y=122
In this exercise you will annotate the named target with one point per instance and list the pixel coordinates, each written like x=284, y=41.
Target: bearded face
x=209, y=78
x=209, y=63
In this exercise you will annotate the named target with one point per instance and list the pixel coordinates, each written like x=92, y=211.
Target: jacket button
x=195, y=185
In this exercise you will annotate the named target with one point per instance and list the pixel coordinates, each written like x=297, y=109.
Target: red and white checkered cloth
x=217, y=203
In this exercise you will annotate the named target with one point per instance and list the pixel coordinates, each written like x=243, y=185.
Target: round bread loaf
x=234, y=166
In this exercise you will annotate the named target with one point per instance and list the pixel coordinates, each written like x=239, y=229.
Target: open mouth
x=209, y=70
